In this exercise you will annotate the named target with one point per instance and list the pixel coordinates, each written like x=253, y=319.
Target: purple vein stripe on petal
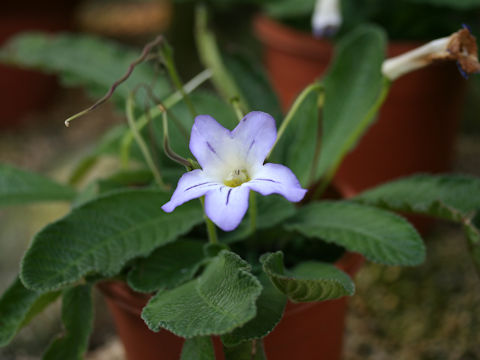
x=276, y=182
x=194, y=186
x=211, y=148
x=228, y=196
x=250, y=147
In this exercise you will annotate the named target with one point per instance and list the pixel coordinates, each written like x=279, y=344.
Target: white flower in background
x=233, y=164
x=327, y=18
x=461, y=46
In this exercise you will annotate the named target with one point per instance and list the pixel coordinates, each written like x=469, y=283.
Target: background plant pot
x=24, y=91
x=307, y=331
x=416, y=128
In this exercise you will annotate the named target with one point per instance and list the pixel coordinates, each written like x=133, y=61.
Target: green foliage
x=167, y=267
x=453, y=4
x=282, y=9
x=100, y=236
x=222, y=298
x=77, y=318
x=270, y=305
x=253, y=82
x=309, y=281
x=23, y=187
x=354, y=90
x=198, y=348
x=84, y=60
x=18, y=306
x=449, y=197
x=377, y=234
x=271, y=211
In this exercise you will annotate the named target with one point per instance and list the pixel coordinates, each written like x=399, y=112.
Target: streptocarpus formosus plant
x=144, y=214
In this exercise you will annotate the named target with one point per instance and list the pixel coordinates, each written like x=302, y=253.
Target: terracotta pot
x=416, y=128
x=24, y=91
x=308, y=331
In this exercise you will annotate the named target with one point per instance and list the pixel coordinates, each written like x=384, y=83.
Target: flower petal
x=226, y=206
x=191, y=185
x=208, y=141
x=256, y=133
x=277, y=179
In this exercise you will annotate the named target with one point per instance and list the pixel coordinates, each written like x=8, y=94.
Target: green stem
x=293, y=110
x=211, y=229
x=141, y=143
x=166, y=145
x=252, y=210
x=353, y=138
x=211, y=58
x=167, y=53
x=236, y=106
x=156, y=111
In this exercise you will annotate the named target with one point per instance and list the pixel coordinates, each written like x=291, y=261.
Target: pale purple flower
x=233, y=164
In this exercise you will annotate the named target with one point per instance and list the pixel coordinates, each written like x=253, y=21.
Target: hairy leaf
x=309, y=281
x=18, y=306
x=100, y=236
x=22, y=187
x=77, y=318
x=379, y=235
x=167, y=267
x=198, y=348
x=216, y=302
x=270, y=306
x=353, y=89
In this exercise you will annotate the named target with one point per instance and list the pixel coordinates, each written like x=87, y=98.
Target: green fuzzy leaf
x=22, y=187
x=77, y=318
x=450, y=197
x=271, y=211
x=167, y=267
x=309, y=281
x=219, y=300
x=354, y=89
x=84, y=60
x=252, y=80
x=18, y=306
x=198, y=348
x=102, y=235
x=270, y=306
x=252, y=350
x=379, y=235
x=285, y=9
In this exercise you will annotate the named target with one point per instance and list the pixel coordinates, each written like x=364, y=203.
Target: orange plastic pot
x=416, y=127
x=307, y=331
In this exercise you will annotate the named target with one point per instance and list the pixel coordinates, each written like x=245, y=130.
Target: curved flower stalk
x=233, y=164
x=461, y=46
x=327, y=18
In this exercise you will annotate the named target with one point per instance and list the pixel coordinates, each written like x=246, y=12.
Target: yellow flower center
x=236, y=178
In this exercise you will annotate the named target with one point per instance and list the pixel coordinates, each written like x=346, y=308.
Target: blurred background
x=427, y=312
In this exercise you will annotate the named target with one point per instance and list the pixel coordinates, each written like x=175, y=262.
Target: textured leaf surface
x=21, y=187
x=271, y=211
x=309, y=281
x=83, y=60
x=77, y=318
x=270, y=306
x=352, y=88
x=102, y=235
x=198, y=348
x=219, y=300
x=377, y=234
x=18, y=306
x=450, y=197
x=167, y=267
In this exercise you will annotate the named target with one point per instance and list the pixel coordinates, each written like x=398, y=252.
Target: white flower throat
x=236, y=178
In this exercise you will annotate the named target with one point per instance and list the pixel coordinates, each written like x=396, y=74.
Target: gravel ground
x=429, y=312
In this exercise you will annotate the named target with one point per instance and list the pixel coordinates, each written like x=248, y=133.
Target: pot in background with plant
x=225, y=266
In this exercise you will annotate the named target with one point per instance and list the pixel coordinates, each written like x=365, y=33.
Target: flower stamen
x=236, y=178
